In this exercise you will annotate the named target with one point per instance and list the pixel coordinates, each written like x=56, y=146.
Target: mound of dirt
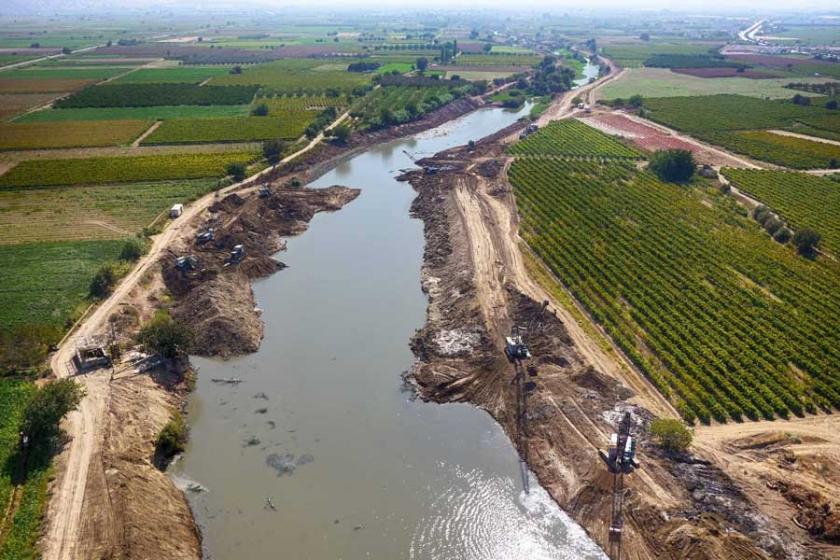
x=815, y=514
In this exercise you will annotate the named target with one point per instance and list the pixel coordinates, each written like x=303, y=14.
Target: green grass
x=802, y=200
x=401, y=67
x=165, y=112
x=180, y=74
x=50, y=172
x=47, y=283
x=287, y=126
x=75, y=213
x=661, y=82
x=695, y=293
x=572, y=138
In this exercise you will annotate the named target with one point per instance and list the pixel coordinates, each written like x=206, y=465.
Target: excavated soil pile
x=213, y=293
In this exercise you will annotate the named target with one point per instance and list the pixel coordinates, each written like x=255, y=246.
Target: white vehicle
x=176, y=210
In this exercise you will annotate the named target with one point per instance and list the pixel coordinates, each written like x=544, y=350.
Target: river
x=589, y=71
x=322, y=425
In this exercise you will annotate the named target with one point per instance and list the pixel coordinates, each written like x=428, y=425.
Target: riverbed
x=322, y=452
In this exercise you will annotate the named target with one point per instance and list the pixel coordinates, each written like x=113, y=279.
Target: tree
x=783, y=235
x=260, y=110
x=43, y=414
x=635, y=101
x=772, y=225
x=236, y=70
x=66, y=50
x=831, y=104
x=673, y=166
x=806, y=241
x=645, y=36
x=165, y=336
x=760, y=213
x=422, y=63
x=272, y=150
x=671, y=435
x=103, y=281
x=236, y=170
x=132, y=249
x=800, y=99
x=341, y=133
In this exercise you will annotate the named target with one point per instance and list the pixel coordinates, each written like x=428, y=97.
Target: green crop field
x=281, y=104
x=180, y=74
x=295, y=76
x=48, y=73
x=288, y=126
x=18, y=542
x=572, y=138
x=697, y=296
x=158, y=113
x=39, y=135
x=635, y=54
x=399, y=104
x=47, y=283
x=89, y=212
x=48, y=172
x=148, y=95
x=661, y=82
x=796, y=153
x=802, y=200
x=501, y=59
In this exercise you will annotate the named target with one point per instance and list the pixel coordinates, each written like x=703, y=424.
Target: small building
x=90, y=355
x=176, y=210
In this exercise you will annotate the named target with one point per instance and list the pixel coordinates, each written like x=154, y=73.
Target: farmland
x=53, y=85
x=502, y=59
x=76, y=213
x=281, y=104
x=15, y=103
x=801, y=200
x=572, y=138
x=42, y=173
x=179, y=74
x=149, y=95
x=290, y=125
x=155, y=113
x=398, y=104
x=47, y=283
x=635, y=54
x=294, y=77
x=704, y=310
x=662, y=82
x=35, y=135
x=796, y=153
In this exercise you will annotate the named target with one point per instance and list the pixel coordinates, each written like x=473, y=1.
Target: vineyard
x=90, y=212
x=297, y=76
x=695, y=295
x=37, y=135
x=158, y=113
x=801, y=200
x=149, y=95
x=180, y=74
x=572, y=138
x=43, y=173
x=289, y=126
x=283, y=103
x=47, y=283
x=796, y=153
x=399, y=104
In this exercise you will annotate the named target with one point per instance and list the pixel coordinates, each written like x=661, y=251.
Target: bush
x=635, y=101
x=165, y=336
x=672, y=435
x=103, y=281
x=673, y=166
x=48, y=406
x=260, y=110
x=236, y=170
x=172, y=438
x=800, y=99
x=273, y=150
x=760, y=213
x=831, y=104
x=783, y=235
x=24, y=347
x=772, y=225
x=132, y=249
x=806, y=241
x=341, y=133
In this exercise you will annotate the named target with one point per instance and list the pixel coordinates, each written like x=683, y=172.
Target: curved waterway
x=589, y=71
x=321, y=452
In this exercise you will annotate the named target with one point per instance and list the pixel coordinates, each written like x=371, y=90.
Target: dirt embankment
x=680, y=508
x=213, y=291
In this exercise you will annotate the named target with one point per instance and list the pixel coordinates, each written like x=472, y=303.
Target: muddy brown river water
x=321, y=452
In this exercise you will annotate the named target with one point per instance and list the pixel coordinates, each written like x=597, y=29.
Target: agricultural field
x=796, y=153
x=398, y=104
x=12, y=104
x=810, y=34
x=691, y=290
x=47, y=283
x=61, y=73
x=295, y=76
x=802, y=200
x=155, y=113
x=281, y=104
x=287, y=126
x=502, y=59
x=151, y=95
x=102, y=170
x=634, y=55
x=76, y=213
x=52, y=85
x=572, y=138
x=19, y=542
x=662, y=82
x=178, y=74
x=40, y=135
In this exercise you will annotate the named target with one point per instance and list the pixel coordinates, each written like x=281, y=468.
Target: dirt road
x=85, y=426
